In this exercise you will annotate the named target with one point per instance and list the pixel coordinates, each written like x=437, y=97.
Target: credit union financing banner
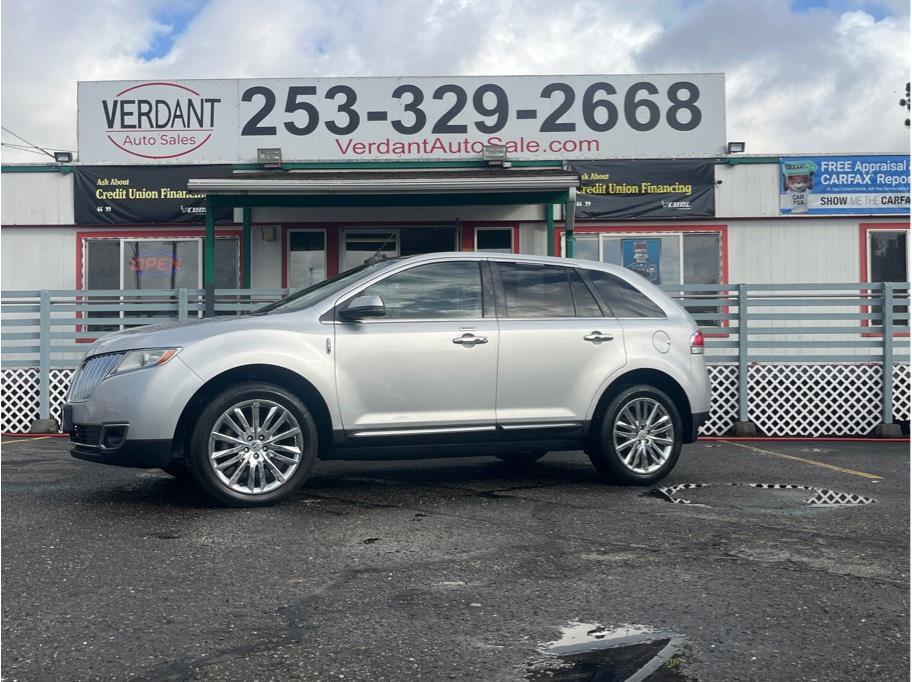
x=130, y=194
x=446, y=118
x=843, y=184
x=645, y=189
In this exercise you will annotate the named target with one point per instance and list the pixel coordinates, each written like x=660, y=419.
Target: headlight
x=147, y=357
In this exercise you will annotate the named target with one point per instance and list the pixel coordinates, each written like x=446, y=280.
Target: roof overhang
x=315, y=188
x=387, y=183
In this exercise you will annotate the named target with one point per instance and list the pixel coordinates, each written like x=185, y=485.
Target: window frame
x=864, y=269
x=345, y=231
x=145, y=234
x=487, y=295
x=286, y=252
x=719, y=330
x=501, y=297
x=507, y=228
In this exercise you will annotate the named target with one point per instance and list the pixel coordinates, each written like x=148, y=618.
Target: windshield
x=308, y=297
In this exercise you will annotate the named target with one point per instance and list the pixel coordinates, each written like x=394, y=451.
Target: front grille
x=90, y=374
x=86, y=434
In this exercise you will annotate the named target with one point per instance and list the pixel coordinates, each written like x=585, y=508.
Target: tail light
x=697, y=343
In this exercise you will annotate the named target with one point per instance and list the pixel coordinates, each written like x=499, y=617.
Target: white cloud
x=818, y=80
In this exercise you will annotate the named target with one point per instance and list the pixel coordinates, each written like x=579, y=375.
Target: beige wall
x=36, y=199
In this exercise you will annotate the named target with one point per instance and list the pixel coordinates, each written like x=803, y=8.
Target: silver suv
x=446, y=354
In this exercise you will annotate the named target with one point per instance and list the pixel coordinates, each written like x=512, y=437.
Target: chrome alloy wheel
x=255, y=446
x=643, y=435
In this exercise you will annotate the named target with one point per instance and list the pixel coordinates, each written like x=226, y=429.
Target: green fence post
x=44, y=423
x=743, y=427
x=44, y=357
x=181, y=305
x=887, y=307
x=209, y=259
x=549, y=218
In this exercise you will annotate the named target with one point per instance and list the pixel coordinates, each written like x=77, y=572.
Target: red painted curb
x=774, y=439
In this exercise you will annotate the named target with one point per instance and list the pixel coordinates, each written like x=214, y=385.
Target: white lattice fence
x=902, y=392
x=19, y=397
x=723, y=410
x=785, y=399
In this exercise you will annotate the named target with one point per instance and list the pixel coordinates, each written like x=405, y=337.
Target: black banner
x=142, y=194
x=645, y=189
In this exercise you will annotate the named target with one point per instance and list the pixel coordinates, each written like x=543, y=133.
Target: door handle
x=598, y=337
x=469, y=340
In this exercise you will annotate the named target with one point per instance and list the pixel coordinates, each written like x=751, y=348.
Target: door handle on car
x=470, y=339
x=597, y=337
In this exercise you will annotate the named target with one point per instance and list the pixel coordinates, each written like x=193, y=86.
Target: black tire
x=198, y=454
x=610, y=463
x=521, y=457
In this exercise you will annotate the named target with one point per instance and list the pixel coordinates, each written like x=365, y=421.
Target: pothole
x=588, y=651
x=757, y=495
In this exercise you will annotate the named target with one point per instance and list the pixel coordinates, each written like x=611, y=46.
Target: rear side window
x=532, y=290
x=622, y=298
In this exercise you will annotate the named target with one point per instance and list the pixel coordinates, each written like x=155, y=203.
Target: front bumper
x=108, y=444
x=145, y=454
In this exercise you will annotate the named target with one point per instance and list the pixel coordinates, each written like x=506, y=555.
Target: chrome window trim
x=421, y=432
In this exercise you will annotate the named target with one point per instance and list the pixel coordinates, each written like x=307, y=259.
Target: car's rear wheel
x=253, y=445
x=640, y=438
x=522, y=457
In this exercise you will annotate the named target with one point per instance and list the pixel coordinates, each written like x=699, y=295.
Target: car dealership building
x=275, y=184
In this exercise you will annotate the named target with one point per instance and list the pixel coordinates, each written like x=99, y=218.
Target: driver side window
x=432, y=292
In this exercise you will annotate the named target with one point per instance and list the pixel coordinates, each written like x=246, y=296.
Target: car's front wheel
x=253, y=445
x=640, y=437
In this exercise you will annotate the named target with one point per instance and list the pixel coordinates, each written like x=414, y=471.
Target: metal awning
x=363, y=188
x=323, y=183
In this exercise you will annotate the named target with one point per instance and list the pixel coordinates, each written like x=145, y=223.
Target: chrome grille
x=90, y=374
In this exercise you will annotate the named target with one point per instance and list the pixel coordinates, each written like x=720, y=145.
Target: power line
x=26, y=141
x=23, y=148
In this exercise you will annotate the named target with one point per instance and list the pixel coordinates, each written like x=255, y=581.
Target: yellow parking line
x=23, y=440
x=804, y=460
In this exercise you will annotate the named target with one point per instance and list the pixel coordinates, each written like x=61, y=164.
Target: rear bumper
x=145, y=454
x=699, y=419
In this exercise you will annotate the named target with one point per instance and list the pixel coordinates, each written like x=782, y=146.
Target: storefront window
x=145, y=264
x=306, y=258
x=888, y=262
x=664, y=258
x=363, y=244
x=153, y=264
x=888, y=255
x=498, y=240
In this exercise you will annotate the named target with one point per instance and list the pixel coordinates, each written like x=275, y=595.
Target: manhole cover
x=587, y=651
x=757, y=495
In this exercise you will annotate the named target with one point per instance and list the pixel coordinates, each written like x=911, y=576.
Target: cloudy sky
x=802, y=75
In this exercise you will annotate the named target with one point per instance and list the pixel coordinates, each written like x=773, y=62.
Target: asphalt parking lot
x=463, y=569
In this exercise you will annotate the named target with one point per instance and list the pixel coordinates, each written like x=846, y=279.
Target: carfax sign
x=843, y=184
x=449, y=118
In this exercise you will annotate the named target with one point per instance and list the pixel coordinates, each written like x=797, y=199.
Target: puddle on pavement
x=757, y=496
x=587, y=651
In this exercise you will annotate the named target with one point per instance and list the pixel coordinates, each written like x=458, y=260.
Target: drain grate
x=819, y=497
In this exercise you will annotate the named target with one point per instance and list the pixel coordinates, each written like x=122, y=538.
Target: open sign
x=157, y=263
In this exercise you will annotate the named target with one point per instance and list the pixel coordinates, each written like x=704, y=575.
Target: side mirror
x=363, y=306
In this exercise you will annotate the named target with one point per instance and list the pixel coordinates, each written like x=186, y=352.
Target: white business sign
x=361, y=119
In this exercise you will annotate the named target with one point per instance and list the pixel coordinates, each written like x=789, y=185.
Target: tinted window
x=536, y=290
x=586, y=305
x=623, y=299
x=434, y=291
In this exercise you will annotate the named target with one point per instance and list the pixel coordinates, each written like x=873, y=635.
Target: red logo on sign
x=159, y=120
